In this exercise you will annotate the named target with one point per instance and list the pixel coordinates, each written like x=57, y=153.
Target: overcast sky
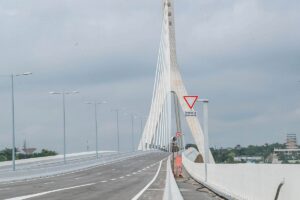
x=244, y=55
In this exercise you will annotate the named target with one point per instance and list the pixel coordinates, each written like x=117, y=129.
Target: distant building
x=291, y=141
x=248, y=159
x=26, y=150
x=288, y=151
x=292, y=152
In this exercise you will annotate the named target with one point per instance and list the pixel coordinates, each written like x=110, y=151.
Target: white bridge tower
x=168, y=81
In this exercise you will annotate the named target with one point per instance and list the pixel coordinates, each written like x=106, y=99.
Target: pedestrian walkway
x=191, y=190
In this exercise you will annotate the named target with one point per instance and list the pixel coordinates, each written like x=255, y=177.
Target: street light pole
x=96, y=123
x=96, y=129
x=205, y=130
x=118, y=131
x=13, y=116
x=64, y=125
x=13, y=124
x=64, y=93
x=132, y=129
x=142, y=126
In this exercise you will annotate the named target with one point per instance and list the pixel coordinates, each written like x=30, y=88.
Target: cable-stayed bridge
x=147, y=173
x=231, y=181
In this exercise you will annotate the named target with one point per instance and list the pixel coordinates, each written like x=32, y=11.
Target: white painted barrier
x=248, y=181
x=51, y=158
x=171, y=189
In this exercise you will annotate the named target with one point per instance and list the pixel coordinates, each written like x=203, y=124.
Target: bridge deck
x=121, y=180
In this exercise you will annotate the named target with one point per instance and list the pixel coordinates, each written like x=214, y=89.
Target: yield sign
x=190, y=100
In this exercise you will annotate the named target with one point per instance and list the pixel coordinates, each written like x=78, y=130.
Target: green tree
x=3, y=158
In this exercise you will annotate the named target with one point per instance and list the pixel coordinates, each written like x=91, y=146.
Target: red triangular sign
x=190, y=100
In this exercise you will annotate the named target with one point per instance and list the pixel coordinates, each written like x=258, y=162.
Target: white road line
x=128, y=175
x=48, y=183
x=104, y=163
x=103, y=181
x=4, y=189
x=138, y=195
x=48, y=192
x=121, y=177
x=113, y=179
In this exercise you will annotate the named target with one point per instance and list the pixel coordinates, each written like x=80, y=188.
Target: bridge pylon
x=157, y=131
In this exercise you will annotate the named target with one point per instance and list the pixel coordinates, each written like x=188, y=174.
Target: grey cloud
x=242, y=55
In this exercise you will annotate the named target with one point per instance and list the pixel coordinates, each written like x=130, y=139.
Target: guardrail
x=248, y=181
x=171, y=189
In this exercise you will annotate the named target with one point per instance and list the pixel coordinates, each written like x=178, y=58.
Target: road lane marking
x=138, y=195
x=4, y=189
x=121, y=177
x=49, y=192
x=48, y=183
x=96, y=165
x=113, y=179
x=128, y=175
x=155, y=189
x=103, y=181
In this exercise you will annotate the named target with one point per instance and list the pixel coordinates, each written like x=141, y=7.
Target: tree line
x=226, y=155
x=6, y=154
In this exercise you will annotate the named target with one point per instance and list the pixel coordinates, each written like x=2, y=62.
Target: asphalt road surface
x=121, y=180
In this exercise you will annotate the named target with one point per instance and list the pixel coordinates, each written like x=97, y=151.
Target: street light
x=142, y=125
x=64, y=93
x=132, y=129
x=132, y=117
x=118, y=131
x=13, y=116
x=205, y=127
x=205, y=130
x=96, y=121
x=24, y=74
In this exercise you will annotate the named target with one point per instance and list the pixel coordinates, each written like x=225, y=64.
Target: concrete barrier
x=248, y=181
x=171, y=189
